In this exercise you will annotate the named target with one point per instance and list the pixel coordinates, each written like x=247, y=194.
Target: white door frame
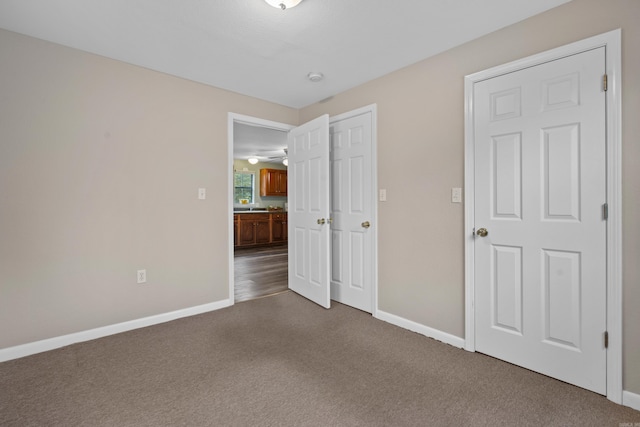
x=240, y=118
x=612, y=43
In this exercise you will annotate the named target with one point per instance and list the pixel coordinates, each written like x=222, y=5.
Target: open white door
x=309, y=228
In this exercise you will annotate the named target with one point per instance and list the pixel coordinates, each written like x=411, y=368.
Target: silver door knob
x=366, y=224
x=482, y=232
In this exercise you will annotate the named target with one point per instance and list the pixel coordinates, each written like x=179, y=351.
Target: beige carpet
x=282, y=361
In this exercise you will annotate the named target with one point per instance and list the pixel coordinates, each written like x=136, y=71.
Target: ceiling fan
x=271, y=159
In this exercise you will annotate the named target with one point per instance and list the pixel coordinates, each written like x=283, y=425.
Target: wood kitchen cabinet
x=273, y=182
x=254, y=229
x=278, y=228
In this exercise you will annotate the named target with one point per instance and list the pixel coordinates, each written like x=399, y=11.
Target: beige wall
x=100, y=163
x=421, y=153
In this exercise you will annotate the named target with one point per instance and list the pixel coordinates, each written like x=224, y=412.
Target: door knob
x=321, y=221
x=366, y=224
x=482, y=232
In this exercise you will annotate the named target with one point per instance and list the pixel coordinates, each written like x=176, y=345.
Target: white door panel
x=540, y=179
x=351, y=206
x=308, y=186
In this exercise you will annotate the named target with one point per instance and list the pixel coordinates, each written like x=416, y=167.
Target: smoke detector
x=315, y=77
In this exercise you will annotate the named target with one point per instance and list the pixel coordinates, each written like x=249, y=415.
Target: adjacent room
x=260, y=208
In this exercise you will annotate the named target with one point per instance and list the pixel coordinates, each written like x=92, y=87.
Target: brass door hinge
x=605, y=83
x=606, y=339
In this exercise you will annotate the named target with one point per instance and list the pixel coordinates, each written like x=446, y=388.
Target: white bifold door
x=540, y=232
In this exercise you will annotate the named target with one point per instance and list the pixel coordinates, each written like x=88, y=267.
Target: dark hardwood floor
x=259, y=272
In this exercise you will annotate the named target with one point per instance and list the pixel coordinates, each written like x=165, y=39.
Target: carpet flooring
x=283, y=361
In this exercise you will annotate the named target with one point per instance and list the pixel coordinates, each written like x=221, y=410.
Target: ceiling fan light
x=253, y=160
x=283, y=4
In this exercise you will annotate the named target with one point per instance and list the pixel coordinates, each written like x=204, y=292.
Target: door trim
x=231, y=119
x=611, y=41
x=373, y=110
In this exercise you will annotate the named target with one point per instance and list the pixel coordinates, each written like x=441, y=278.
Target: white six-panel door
x=540, y=183
x=352, y=212
x=308, y=187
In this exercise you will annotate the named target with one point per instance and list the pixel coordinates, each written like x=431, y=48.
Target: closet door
x=309, y=228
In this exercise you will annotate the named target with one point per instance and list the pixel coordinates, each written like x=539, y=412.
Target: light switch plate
x=383, y=195
x=202, y=193
x=456, y=195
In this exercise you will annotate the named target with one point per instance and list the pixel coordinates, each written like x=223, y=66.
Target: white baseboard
x=421, y=329
x=632, y=400
x=91, y=334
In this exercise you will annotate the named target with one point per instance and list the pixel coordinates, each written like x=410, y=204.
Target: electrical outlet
x=383, y=195
x=202, y=193
x=142, y=276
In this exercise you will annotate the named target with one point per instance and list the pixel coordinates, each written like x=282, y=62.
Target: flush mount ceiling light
x=253, y=160
x=283, y=4
x=285, y=161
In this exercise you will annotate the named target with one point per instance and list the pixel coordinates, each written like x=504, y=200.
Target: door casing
x=612, y=43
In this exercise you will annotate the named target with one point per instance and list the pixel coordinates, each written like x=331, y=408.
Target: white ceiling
x=249, y=47
x=266, y=144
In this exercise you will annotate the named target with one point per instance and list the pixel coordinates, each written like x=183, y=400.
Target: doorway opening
x=259, y=261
